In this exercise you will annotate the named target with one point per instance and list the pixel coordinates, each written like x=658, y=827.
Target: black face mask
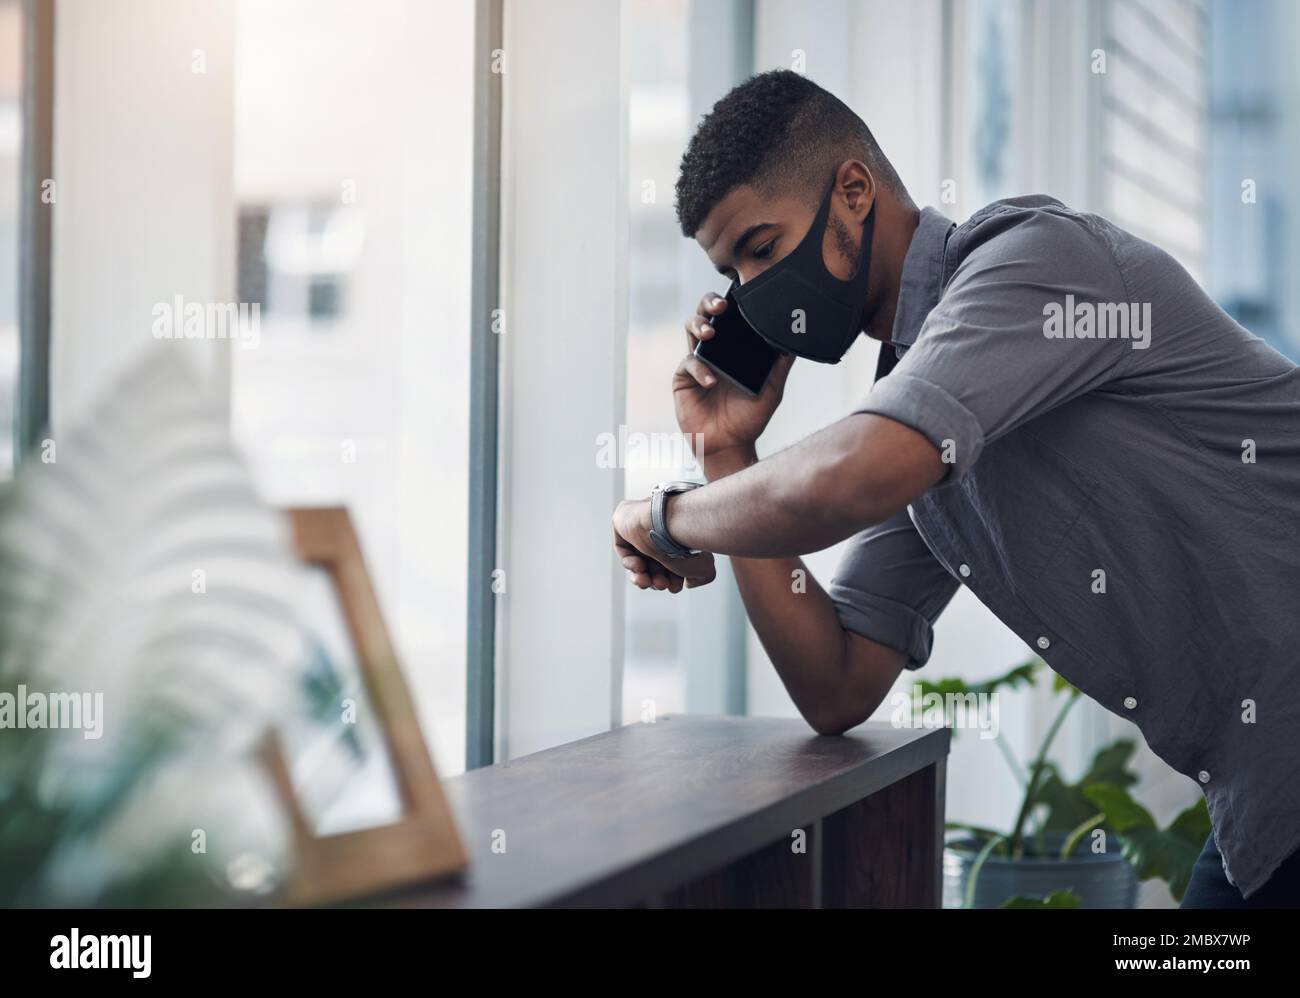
x=799, y=306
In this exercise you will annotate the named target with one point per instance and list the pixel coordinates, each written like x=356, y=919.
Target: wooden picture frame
x=424, y=843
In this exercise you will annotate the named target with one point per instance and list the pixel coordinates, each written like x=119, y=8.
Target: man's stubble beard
x=853, y=253
x=844, y=243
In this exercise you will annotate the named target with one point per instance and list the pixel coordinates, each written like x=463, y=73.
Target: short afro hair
x=778, y=131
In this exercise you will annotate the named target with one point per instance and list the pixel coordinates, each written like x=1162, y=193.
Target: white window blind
x=1154, y=115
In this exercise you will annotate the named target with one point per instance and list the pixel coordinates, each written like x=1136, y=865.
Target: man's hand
x=726, y=418
x=646, y=566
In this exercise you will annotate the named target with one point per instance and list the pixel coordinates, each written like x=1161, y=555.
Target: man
x=1072, y=429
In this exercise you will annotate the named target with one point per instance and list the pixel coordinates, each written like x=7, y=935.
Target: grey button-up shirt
x=1124, y=493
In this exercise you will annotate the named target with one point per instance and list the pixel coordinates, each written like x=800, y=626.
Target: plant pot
x=1101, y=880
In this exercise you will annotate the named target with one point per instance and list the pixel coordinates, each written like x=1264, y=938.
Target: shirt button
x=1204, y=776
x=1130, y=702
x=1044, y=643
x=964, y=570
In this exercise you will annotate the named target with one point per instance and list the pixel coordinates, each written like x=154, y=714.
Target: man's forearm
x=856, y=472
x=793, y=615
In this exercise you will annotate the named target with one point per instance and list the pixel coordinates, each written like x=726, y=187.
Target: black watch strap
x=659, y=519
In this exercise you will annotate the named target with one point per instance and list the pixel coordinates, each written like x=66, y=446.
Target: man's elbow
x=838, y=712
x=866, y=675
x=835, y=721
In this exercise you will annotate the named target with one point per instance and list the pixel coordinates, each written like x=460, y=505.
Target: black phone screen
x=736, y=351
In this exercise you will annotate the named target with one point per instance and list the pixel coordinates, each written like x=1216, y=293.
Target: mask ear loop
x=815, y=237
x=814, y=248
x=864, y=264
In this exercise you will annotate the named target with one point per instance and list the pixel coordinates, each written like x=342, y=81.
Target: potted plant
x=1076, y=844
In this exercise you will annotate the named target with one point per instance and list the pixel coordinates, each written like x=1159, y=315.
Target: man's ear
x=856, y=188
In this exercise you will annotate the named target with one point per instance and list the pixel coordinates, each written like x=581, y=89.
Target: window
x=353, y=137
x=1154, y=124
x=658, y=128
x=296, y=258
x=683, y=653
x=1254, y=126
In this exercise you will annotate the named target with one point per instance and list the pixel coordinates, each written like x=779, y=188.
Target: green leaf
x=1059, y=683
x=1168, y=853
x=1021, y=675
x=1123, y=813
x=1067, y=804
x=1057, y=899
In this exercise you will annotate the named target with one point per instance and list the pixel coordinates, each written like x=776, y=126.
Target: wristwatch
x=659, y=518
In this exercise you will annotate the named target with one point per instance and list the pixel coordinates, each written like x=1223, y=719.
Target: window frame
x=35, y=220
x=484, y=396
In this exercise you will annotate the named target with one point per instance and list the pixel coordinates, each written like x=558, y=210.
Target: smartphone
x=736, y=351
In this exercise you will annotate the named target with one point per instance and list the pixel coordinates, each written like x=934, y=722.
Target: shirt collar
x=922, y=280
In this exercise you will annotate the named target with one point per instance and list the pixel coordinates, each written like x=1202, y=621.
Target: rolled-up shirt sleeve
x=888, y=587
x=986, y=358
